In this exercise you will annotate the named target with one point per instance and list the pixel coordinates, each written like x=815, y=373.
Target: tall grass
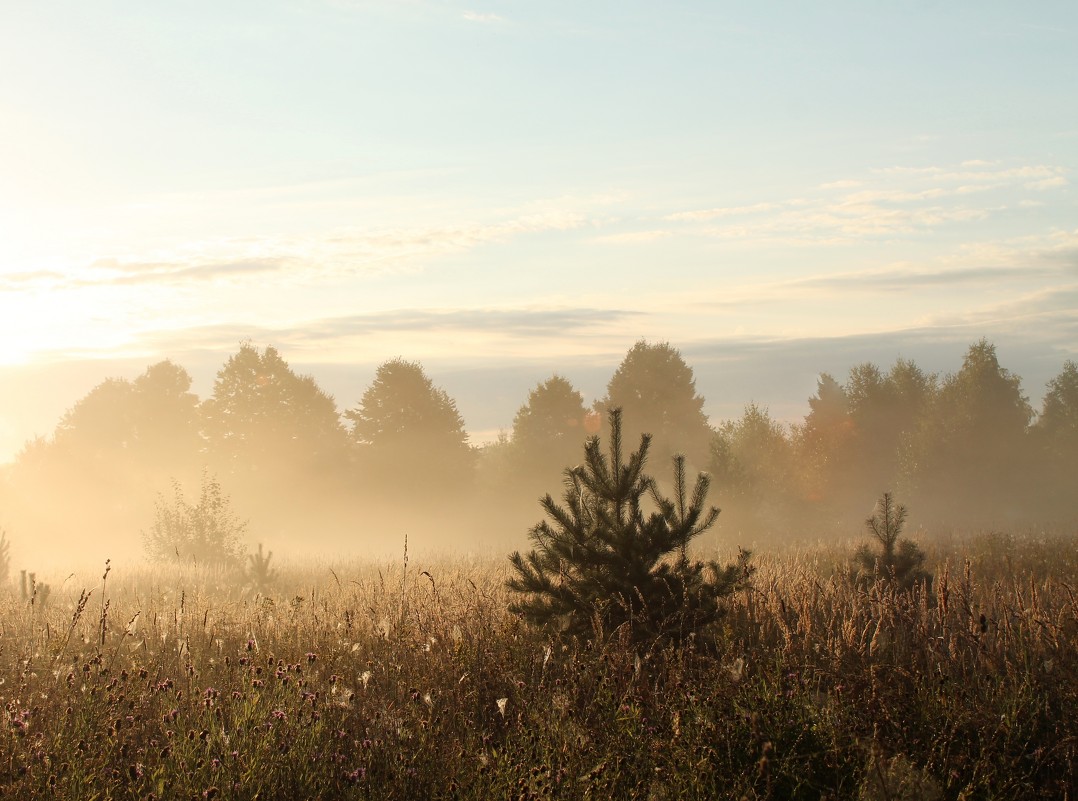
x=361, y=681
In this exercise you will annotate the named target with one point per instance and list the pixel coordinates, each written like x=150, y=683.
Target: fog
x=270, y=451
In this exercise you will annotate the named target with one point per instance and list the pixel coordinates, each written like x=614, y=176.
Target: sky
x=502, y=190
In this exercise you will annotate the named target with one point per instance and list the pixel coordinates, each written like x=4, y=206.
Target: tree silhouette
x=1056, y=437
x=883, y=409
x=656, y=390
x=1058, y=420
x=99, y=427
x=264, y=418
x=603, y=562
x=166, y=419
x=752, y=462
x=410, y=432
x=549, y=429
x=823, y=442
x=969, y=456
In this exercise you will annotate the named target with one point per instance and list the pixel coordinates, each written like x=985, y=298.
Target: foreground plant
x=602, y=563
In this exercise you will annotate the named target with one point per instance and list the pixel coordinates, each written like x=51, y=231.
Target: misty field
x=411, y=680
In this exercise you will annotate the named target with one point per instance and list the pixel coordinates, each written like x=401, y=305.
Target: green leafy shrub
x=899, y=561
x=602, y=562
x=207, y=533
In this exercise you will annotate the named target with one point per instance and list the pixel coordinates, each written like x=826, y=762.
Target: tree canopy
x=410, y=431
x=549, y=429
x=262, y=416
x=656, y=391
x=969, y=455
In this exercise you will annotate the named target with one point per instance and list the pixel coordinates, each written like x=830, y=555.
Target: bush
x=207, y=533
x=602, y=564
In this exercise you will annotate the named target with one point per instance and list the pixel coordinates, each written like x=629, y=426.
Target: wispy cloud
x=29, y=280
x=632, y=237
x=886, y=203
x=120, y=273
x=337, y=253
x=1048, y=183
x=917, y=280
x=726, y=211
x=429, y=324
x=475, y=16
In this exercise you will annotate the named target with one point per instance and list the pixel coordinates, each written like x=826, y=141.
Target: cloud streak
x=335, y=332
x=117, y=273
x=888, y=203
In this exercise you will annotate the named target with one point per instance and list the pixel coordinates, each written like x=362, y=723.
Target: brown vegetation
x=413, y=681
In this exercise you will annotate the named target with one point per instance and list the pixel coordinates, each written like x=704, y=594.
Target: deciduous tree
x=549, y=429
x=410, y=433
x=656, y=390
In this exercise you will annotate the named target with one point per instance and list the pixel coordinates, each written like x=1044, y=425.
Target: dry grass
x=365, y=681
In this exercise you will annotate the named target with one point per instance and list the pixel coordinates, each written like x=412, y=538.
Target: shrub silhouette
x=208, y=532
x=899, y=561
x=601, y=563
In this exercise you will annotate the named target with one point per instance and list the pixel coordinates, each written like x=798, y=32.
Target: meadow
x=411, y=680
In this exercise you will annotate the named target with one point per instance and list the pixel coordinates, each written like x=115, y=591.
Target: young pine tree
x=899, y=561
x=603, y=562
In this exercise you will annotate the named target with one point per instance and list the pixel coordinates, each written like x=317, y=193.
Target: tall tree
x=969, y=456
x=110, y=452
x=752, y=462
x=1056, y=437
x=656, y=391
x=884, y=410
x=1058, y=420
x=166, y=419
x=264, y=418
x=149, y=425
x=410, y=432
x=549, y=429
x=823, y=444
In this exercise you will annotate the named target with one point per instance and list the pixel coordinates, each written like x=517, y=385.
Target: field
x=411, y=680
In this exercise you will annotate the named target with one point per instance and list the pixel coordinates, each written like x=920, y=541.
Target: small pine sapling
x=260, y=576
x=899, y=561
x=602, y=563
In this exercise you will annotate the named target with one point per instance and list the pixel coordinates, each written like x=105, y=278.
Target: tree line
x=965, y=448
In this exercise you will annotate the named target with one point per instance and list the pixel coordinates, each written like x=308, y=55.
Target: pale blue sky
x=498, y=189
